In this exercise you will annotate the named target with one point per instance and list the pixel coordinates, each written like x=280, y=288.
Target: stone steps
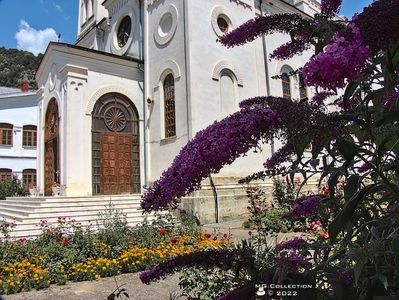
x=27, y=212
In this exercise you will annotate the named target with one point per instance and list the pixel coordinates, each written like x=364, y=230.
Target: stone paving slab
x=99, y=290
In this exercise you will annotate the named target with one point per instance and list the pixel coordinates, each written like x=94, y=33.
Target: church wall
x=79, y=81
x=209, y=61
x=165, y=53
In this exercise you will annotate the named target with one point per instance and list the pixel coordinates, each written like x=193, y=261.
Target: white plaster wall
x=161, y=59
x=82, y=78
x=19, y=110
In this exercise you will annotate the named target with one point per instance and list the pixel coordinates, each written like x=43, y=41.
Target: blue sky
x=31, y=24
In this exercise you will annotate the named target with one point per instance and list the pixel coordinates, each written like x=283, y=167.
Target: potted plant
x=56, y=189
x=33, y=191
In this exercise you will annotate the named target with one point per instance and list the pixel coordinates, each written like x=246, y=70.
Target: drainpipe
x=267, y=78
x=141, y=55
x=186, y=62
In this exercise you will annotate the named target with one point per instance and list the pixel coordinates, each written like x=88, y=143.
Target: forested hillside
x=16, y=65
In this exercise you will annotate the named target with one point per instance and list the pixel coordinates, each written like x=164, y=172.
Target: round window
x=124, y=30
x=222, y=24
x=165, y=25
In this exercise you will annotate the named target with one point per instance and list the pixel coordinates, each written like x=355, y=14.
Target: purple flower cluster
x=294, y=244
x=214, y=258
x=279, y=157
x=341, y=61
x=379, y=24
x=252, y=29
x=288, y=50
x=306, y=206
x=292, y=262
x=389, y=101
x=364, y=167
x=330, y=7
x=212, y=148
x=344, y=277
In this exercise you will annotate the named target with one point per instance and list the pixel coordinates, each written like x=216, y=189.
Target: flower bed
x=68, y=251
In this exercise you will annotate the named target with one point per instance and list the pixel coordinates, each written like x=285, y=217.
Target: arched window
x=286, y=85
x=29, y=136
x=169, y=106
x=303, y=93
x=6, y=134
x=29, y=178
x=5, y=174
x=227, y=93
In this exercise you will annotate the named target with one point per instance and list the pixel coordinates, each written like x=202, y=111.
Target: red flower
x=63, y=242
x=207, y=235
x=161, y=231
x=326, y=191
x=22, y=240
x=174, y=240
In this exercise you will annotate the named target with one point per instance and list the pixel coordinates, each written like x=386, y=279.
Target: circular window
x=222, y=24
x=221, y=21
x=165, y=25
x=124, y=30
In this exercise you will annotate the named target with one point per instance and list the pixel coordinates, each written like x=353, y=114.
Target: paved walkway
x=99, y=290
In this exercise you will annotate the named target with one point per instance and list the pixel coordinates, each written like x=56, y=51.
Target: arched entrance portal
x=115, y=146
x=51, y=148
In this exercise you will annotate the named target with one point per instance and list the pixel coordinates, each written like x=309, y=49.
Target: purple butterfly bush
x=259, y=119
x=330, y=7
x=292, y=262
x=341, y=61
x=379, y=24
x=212, y=148
x=306, y=206
x=280, y=156
x=214, y=258
x=293, y=244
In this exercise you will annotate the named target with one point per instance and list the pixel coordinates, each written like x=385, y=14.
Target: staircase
x=26, y=212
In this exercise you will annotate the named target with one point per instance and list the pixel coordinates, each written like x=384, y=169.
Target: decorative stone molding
x=166, y=25
x=113, y=6
x=224, y=64
x=52, y=77
x=105, y=90
x=169, y=66
x=218, y=11
x=115, y=49
x=74, y=72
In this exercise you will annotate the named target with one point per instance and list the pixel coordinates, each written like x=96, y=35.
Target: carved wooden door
x=49, y=168
x=51, y=135
x=115, y=147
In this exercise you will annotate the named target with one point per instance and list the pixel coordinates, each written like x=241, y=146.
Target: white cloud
x=59, y=8
x=33, y=40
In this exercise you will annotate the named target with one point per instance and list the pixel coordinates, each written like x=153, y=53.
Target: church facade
x=143, y=77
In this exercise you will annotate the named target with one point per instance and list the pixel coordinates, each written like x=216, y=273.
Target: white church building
x=143, y=77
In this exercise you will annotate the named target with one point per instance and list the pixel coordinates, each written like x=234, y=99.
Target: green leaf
x=332, y=182
x=395, y=244
x=350, y=90
x=347, y=148
x=358, y=270
x=351, y=187
x=345, y=215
